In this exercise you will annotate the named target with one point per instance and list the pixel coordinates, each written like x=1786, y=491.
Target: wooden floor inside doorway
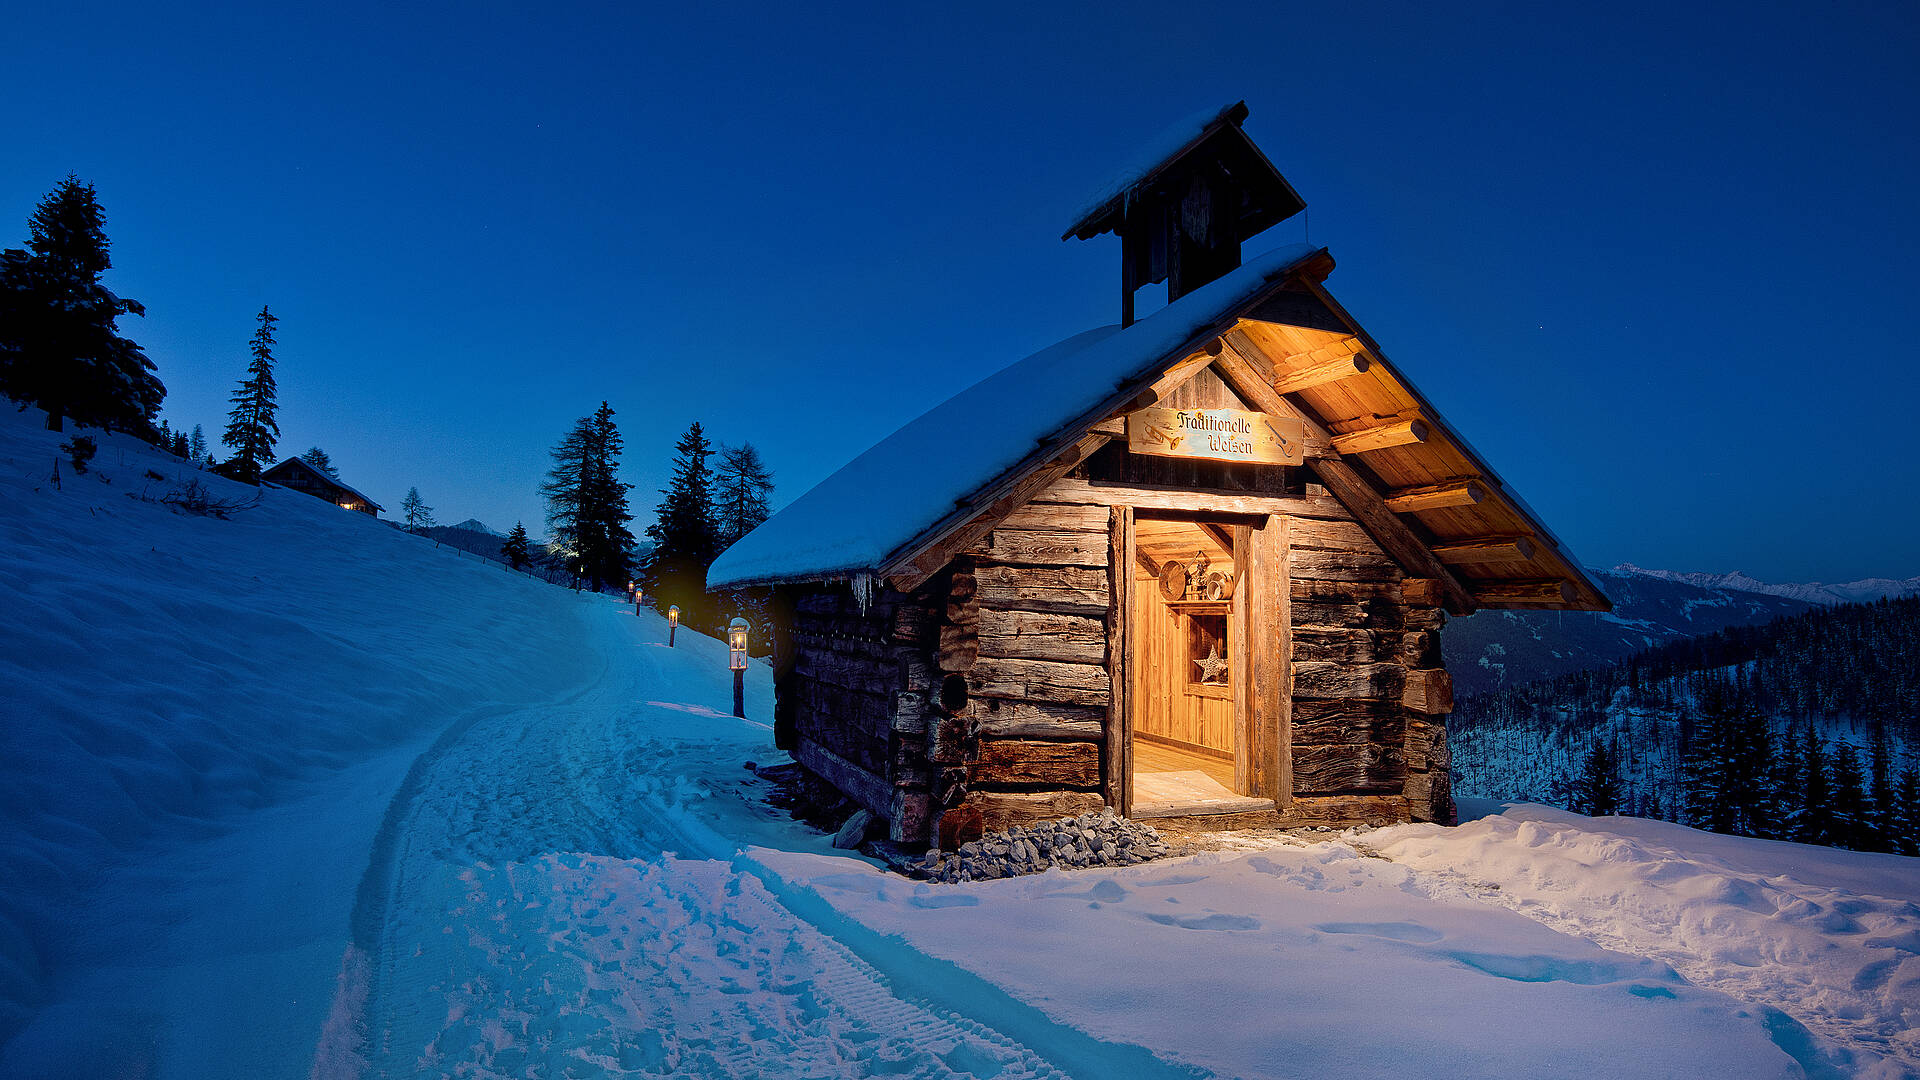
x=1169, y=781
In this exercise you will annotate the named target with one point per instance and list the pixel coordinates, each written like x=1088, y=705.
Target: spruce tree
x=1906, y=812
x=1815, y=823
x=415, y=511
x=587, y=512
x=1597, y=790
x=251, y=429
x=743, y=490
x=197, y=444
x=321, y=463
x=515, y=548
x=60, y=346
x=1851, y=810
x=685, y=534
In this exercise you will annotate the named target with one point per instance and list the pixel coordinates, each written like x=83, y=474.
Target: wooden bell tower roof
x=1185, y=204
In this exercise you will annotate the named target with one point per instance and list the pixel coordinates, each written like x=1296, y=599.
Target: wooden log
x=1419, y=649
x=1034, y=762
x=1117, y=759
x=1326, y=680
x=1057, y=517
x=912, y=625
x=1330, y=536
x=1346, y=645
x=921, y=558
x=1504, y=593
x=1066, y=590
x=856, y=783
x=1310, y=565
x=1423, y=736
x=1349, y=720
x=1046, y=547
x=959, y=648
x=910, y=818
x=1400, y=433
x=1039, y=680
x=1346, y=810
x=1490, y=549
x=996, y=719
x=993, y=811
x=1412, y=500
x=1320, y=374
x=1348, y=767
x=1391, y=533
x=911, y=713
x=1422, y=591
x=1429, y=691
x=1311, y=590
x=1041, y=635
x=1162, y=497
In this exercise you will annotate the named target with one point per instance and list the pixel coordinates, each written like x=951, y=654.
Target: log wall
x=982, y=699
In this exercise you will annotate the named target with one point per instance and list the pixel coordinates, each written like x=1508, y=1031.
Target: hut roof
x=294, y=464
x=958, y=463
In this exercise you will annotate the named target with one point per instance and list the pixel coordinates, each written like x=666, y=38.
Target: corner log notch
x=1366, y=504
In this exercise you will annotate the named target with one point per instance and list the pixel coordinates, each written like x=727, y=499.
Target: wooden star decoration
x=1213, y=666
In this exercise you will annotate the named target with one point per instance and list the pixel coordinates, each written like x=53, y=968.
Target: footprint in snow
x=1393, y=931
x=1208, y=922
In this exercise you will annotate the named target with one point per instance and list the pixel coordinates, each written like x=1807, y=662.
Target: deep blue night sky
x=1653, y=262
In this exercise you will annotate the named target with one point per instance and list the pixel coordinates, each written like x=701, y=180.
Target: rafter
x=1491, y=549
x=1353, y=491
x=1412, y=500
x=1399, y=433
x=1307, y=378
x=1549, y=591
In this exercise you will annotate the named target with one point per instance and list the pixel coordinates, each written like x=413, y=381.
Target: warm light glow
x=673, y=615
x=737, y=644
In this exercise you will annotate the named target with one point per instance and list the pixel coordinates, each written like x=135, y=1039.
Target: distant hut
x=297, y=474
x=1194, y=564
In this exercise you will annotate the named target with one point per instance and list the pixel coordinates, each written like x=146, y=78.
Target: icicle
x=863, y=590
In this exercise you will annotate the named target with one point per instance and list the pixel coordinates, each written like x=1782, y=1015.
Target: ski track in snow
x=535, y=920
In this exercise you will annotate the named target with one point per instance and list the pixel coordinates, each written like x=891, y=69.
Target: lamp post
x=673, y=622
x=737, y=660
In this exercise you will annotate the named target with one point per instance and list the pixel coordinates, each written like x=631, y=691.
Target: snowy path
x=536, y=913
x=576, y=890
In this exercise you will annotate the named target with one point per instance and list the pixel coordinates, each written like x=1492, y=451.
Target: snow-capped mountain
x=476, y=525
x=1851, y=592
x=1496, y=649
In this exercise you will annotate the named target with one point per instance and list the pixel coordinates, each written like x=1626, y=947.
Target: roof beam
x=1550, y=591
x=1353, y=491
x=1412, y=500
x=1401, y=433
x=922, y=557
x=1321, y=374
x=1490, y=549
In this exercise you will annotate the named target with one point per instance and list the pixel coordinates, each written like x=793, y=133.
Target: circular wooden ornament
x=1173, y=580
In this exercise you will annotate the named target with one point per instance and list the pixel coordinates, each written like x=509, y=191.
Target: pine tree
x=685, y=534
x=743, y=490
x=515, y=548
x=1815, y=822
x=1881, y=819
x=197, y=444
x=1729, y=770
x=251, y=429
x=60, y=346
x=415, y=511
x=318, y=458
x=587, y=511
x=1906, y=812
x=1596, y=792
x=1851, y=810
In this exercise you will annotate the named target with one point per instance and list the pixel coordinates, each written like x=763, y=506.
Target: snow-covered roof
x=304, y=464
x=1150, y=156
x=856, y=518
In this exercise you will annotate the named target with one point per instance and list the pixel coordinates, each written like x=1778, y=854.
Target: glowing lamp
x=673, y=623
x=737, y=660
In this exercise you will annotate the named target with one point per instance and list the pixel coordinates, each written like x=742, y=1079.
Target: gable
x=1265, y=338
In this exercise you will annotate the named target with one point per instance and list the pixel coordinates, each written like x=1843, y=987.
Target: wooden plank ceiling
x=1422, y=473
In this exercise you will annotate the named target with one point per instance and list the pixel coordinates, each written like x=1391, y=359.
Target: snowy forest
x=1803, y=729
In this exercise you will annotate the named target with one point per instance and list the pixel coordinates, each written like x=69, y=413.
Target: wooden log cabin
x=295, y=473
x=1192, y=564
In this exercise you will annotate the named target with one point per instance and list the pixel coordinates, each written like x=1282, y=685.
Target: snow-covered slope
x=1851, y=592
x=171, y=679
x=1495, y=649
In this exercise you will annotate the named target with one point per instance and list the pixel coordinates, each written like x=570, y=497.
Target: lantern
x=673, y=623
x=737, y=660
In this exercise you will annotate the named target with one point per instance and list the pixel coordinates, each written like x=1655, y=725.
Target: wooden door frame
x=1263, y=694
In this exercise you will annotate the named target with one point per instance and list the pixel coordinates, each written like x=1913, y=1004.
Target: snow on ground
x=297, y=795
x=1830, y=937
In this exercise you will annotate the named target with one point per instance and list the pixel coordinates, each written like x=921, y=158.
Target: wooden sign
x=1216, y=435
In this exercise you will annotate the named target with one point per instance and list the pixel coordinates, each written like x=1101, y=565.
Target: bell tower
x=1182, y=210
